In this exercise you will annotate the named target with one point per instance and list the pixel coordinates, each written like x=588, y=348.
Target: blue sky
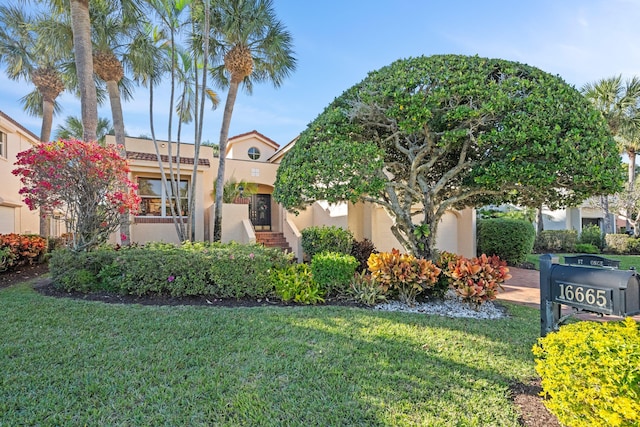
x=337, y=43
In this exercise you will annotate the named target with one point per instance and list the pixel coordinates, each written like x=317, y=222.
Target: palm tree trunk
x=224, y=136
x=118, y=129
x=47, y=120
x=81, y=25
x=199, y=115
x=45, y=135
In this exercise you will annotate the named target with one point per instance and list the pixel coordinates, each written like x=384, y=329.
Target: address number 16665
x=583, y=295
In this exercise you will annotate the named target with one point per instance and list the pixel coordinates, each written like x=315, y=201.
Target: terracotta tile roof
x=151, y=157
x=255, y=132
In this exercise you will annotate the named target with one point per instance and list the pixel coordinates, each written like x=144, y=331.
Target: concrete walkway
x=524, y=288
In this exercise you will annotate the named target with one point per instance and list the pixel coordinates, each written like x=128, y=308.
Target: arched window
x=254, y=153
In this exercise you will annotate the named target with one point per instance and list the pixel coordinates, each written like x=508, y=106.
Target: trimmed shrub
x=587, y=248
x=633, y=246
x=168, y=271
x=65, y=264
x=296, y=283
x=590, y=373
x=617, y=243
x=319, y=239
x=477, y=280
x=556, y=241
x=403, y=273
x=361, y=250
x=592, y=235
x=333, y=271
x=243, y=270
x=510, y=239
x=219, y=270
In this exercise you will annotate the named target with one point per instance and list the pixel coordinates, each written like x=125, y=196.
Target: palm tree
x=618, y=103
x=27, y=58
x=78, y=10
x=73, y=129
x=186, y=75
x=81, y=26
x=255, y=47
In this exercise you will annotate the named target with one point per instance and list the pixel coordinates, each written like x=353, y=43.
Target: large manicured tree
x=428, y=134
x=88, y=182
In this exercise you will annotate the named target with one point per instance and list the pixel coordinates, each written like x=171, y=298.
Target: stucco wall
x=15, y=216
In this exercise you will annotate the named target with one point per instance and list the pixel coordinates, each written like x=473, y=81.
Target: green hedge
x=592, y=235
x=319, y=239
x=622, y=244
x=510, y=239
x=556, y=241
x=218, y=270
x=333, y=271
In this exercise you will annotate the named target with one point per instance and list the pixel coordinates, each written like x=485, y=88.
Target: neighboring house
x=254, y=158
x=576, y=218
x=15, y=216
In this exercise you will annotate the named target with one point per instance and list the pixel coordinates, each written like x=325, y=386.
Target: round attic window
x=254, y=153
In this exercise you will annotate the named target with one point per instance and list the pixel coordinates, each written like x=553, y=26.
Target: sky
x=337, y=43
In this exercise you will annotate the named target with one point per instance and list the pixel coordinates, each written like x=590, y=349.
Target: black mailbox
x=585, y=288
x=599, y=291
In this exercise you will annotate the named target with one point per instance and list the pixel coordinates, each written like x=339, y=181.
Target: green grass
x=626, y=261
x=69, y=362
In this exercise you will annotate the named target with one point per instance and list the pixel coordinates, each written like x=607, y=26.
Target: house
x=254, y=158
x=576, y=218
x=15, y=216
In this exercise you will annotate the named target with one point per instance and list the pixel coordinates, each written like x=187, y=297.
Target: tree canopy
x=428, y=134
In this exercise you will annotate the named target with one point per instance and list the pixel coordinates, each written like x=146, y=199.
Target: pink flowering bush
x=88, y=182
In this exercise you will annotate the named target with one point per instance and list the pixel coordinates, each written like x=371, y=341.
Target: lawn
x=626, y=261
x=71, y=362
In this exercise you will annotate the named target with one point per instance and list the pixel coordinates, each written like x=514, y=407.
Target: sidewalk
x=524, y=288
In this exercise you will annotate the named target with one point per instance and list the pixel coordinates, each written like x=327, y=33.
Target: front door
x=260, y=211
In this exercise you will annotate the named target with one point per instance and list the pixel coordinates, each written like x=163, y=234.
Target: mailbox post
x=549, y=310
x=586, y=285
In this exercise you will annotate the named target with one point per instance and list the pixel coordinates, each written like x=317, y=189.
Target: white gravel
x=451, y=306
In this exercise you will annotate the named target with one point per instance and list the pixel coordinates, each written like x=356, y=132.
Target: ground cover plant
x=71, y=362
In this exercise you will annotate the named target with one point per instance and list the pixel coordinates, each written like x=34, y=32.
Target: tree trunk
x=199, y=117
x=632, y=177
x=45, y=135
x=81, y=26
x=47, y=120
x=608, y=226
x=118, y=128
x=539, y=220
x=224, y=135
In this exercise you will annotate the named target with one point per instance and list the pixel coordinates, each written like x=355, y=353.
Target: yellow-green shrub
x=591, y=373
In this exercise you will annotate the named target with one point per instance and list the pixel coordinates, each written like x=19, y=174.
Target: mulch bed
x=525, y=396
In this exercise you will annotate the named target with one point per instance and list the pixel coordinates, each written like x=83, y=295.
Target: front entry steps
x=272, y=239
